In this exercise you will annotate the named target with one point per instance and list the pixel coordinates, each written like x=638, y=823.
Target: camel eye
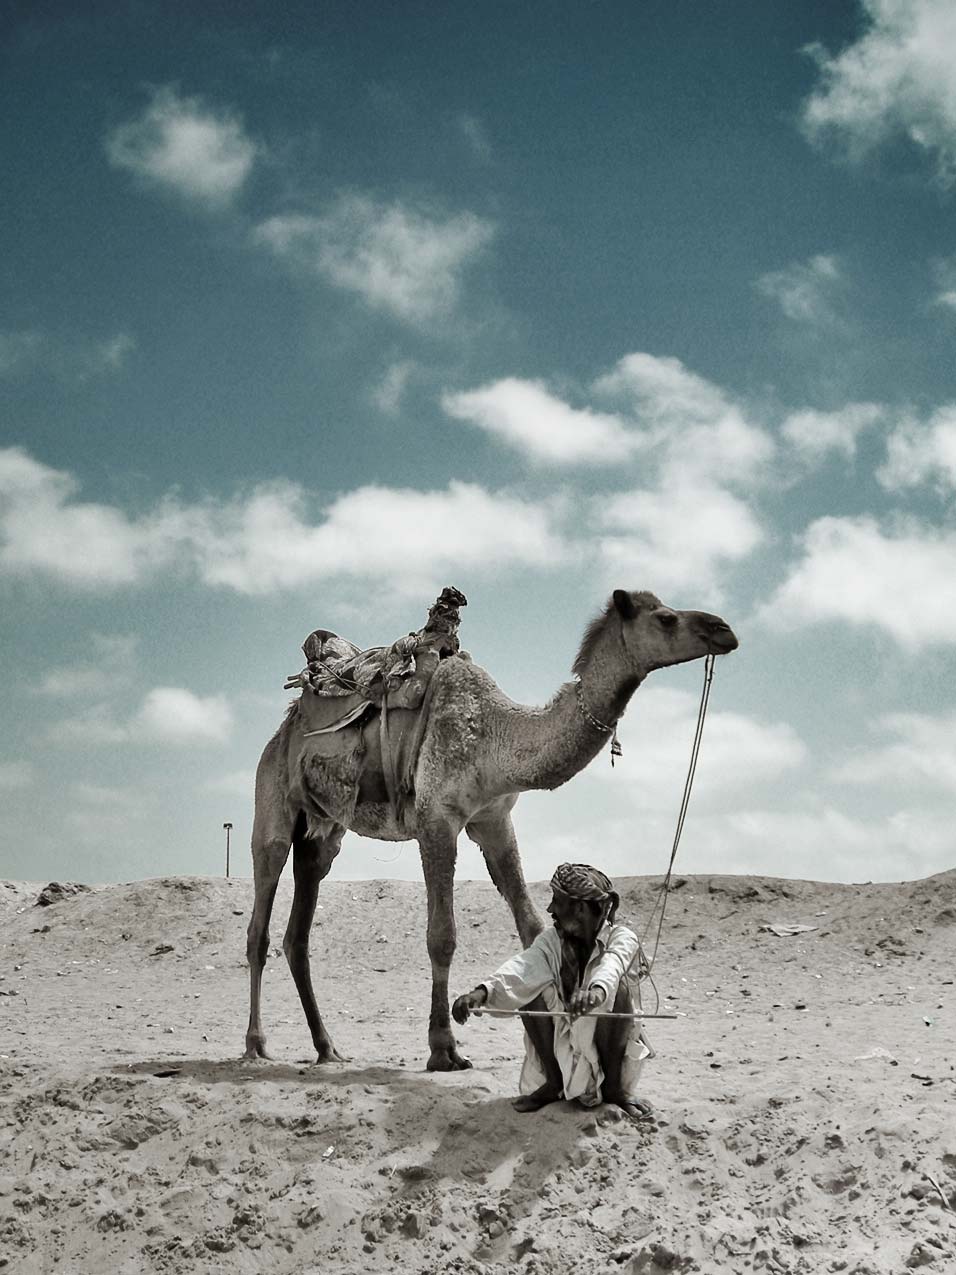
x=667, y=618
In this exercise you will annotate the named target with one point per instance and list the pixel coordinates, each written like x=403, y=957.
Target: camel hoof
x=256, y=1055
x=330, y=1055
x=447, y=1060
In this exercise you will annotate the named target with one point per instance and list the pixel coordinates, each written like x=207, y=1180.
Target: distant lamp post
x=228, y=828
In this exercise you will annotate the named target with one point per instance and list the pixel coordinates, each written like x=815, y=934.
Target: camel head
x=655, y=636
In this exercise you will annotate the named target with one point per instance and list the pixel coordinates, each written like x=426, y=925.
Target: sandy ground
x=805, y=1097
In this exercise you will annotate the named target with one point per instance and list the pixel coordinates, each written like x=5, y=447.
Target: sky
x=308, y=310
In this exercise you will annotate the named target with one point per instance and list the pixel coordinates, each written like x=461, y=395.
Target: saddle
x=367, y=709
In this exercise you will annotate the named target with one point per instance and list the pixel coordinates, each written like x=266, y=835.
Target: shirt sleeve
x=520, y=979
x=621, y=950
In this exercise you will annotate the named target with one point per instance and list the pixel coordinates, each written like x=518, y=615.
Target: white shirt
x=537, y=972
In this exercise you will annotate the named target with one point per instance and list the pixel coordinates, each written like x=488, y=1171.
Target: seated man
x=585, y=963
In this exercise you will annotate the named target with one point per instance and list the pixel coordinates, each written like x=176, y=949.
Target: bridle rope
x=685, y=801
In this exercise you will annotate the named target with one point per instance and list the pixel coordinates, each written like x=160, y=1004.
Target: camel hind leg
x=312, y=857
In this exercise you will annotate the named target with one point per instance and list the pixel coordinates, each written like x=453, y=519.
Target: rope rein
x=685, y=802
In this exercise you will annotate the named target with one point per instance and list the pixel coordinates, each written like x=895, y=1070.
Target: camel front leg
x=439, y=851
x=311, y=861
x=495, y=835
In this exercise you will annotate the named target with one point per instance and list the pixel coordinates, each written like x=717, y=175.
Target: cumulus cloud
x=387, y=395
x=526, y=416
x=922, y=452
x=679, y=535
x=661, y=410
x=920, y=749
x=944, y=275
x=854, y=571
x=406, y=537
x=45, y=531
x=266, y=539
x=814, y=435
x=896, y=79
x=696, y=426
x=806, y=291
x=113, y=667
x=739, y=753
x=176, y=715
x=235, y=783
x=694, y=442
x=167, y=714
x=180, y=143
x=403, y=260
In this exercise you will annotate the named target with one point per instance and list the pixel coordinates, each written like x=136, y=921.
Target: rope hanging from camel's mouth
x=685, y=802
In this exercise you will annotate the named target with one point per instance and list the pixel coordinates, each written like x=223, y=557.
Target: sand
x=805, y=1097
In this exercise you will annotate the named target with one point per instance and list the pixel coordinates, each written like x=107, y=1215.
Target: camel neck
x=559, y=740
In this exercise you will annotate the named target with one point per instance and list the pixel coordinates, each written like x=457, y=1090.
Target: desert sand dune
x=805, y=1097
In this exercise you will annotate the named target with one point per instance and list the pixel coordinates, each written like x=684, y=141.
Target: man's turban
x=581, y=881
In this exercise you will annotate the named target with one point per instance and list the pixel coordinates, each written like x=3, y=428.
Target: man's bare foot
x=540, y=1098
x=634, y=1108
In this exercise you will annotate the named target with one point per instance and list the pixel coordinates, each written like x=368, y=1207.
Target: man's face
x=573, y=918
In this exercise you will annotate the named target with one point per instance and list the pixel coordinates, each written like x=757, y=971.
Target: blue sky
x=309, y=310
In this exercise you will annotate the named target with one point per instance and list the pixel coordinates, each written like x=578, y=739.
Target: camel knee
x=441, y=949
x=296, y=951
x=257, y=947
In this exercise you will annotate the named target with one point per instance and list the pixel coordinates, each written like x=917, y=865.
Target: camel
x=479, y=751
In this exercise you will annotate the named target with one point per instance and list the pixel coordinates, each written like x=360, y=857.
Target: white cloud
x=678, y=535
x=921, y=750
x=805, y=291
x=114, y=667
x=944, y=274
x=167, y=714
x=695, y=425
x=387, y=395
x=525, y=415
x=680, y=421
x=180, y=143
x=265, y=540
x=738, y=753
x=43, y=530
x=403, y=260
x=814, y=434
x=897, y=78
x=899, y=580
x=16, y=774
x=236, y=783
x=919, y=453
x=821, y=844
x=406, y=538
x=176, y=715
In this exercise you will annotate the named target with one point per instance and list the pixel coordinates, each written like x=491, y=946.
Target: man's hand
x=585, y=999
x=465, y=1004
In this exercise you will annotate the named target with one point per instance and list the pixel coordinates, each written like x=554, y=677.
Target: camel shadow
x=238, y=1071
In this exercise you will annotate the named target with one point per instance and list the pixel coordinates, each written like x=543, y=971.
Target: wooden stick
x=559, y=1013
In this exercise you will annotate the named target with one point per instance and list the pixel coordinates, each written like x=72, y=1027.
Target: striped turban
x=581, y=881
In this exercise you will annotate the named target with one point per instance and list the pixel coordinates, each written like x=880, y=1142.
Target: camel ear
x=624, y=604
